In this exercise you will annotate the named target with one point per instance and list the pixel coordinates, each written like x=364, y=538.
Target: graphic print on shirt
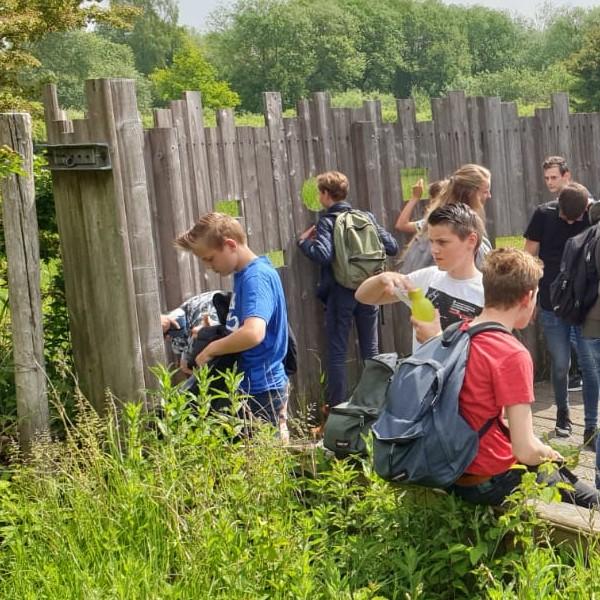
x=452, y=309
x=233, y=321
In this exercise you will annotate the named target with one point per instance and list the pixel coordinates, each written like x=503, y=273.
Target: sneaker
x=589, y=439
x=575, y=383
x=563, y=424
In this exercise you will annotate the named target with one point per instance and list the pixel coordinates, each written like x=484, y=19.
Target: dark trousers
x=495, y=491
x=342, y=308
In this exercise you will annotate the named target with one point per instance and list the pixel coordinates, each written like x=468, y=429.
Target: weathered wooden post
x=104, y=221
x=23, y=255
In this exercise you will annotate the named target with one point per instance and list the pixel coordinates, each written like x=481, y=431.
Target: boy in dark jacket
x=341, y=307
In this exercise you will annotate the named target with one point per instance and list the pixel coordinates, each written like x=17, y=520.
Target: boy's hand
x=183, y=366
x=395, y=284
x=417, y=190
x=167, y=323
x=311, y=233
x=204, y=357
x=425, y=330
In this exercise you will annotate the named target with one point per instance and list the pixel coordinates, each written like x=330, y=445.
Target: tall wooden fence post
x=23, y=255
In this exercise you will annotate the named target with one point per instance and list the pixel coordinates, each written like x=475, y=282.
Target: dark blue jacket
x=321, y=248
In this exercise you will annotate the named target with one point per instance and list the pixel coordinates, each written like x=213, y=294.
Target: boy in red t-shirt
x=499, y=382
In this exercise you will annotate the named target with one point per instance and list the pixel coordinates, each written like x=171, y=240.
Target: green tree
x=585, y=66
x=436, y=49
x=191, y=71
x=156, y=34
x=69, y=58
x=380, y=41
x=494, y=38
x=291, y=46
x=23, y=22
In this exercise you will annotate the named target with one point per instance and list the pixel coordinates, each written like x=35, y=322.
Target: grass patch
x=177, y=507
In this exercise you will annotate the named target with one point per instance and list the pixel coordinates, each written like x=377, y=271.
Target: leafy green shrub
x=179, y=506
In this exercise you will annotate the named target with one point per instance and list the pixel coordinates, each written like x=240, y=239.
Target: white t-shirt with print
x=456, y=299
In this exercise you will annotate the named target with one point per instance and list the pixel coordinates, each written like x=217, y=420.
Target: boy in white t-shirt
x=453, y=285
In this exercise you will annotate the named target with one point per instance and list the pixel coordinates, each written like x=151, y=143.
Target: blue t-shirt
x=257, y=292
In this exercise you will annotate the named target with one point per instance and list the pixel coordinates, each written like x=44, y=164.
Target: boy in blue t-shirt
x=257, y=313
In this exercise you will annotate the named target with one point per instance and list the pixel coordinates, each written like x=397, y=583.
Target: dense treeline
x=397, y=47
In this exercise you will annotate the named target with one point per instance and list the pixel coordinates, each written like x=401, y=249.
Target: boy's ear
x=230, y=243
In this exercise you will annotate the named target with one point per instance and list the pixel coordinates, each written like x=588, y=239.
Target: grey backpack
x=420, y=436
x=350, y=421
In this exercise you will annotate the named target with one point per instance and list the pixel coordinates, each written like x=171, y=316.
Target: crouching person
x=257, y=315
x=499, y=379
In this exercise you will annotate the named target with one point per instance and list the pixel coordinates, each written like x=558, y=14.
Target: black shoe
x=575, y=383
x=563, y=424
x=589, y=439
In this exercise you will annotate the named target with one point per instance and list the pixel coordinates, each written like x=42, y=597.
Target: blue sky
x=195, y=12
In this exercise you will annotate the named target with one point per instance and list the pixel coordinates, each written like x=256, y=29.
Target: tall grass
x=179, y=506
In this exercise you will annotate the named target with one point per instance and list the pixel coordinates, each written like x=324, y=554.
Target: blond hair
x=211, y=230
x=508, y=275
x=463, y=186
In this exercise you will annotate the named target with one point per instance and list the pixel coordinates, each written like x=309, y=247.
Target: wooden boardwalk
x=544, y=416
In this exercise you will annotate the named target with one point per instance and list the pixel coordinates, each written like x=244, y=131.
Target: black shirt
x=552, y=232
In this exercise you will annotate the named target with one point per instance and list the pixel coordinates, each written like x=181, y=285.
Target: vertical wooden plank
x=24, y=295
x=532, y=164
x=249, y=195
x=177, y=272
x=198, y=160
x=365, y=140
x=270, y=225
x=229, y=159
x=162, y=117
x=443, y=135
x=373, y=111
x=475, y=134
x=105, y=222
x=343, y=144
x=284, y=204
x=427, y=151
x=179, y=114
x=309, y=328
x=514, y=169
x=498, y=208
x=560, y=122
x=407, y=132
x=323, y=131
x=306, y=133
x=215, y=166
x=457, y=109
x=129, y=137
x=154, y=219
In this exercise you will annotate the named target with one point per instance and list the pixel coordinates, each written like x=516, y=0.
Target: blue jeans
x=495, y=491
x=342, y=309
x=270, y=405
x=558, y=340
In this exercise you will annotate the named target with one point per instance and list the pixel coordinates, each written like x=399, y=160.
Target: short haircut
x=508, y=275
x=573, y=200
x=211, y=230
x=462, y=220
x=556, y=161
x=335, y=184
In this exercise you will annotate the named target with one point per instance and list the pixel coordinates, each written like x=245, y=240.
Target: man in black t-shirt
x=551, y=225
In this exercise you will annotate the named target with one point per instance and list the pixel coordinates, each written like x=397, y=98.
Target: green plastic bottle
x=421, y=307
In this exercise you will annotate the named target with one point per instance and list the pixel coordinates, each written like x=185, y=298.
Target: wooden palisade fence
x=117, y=225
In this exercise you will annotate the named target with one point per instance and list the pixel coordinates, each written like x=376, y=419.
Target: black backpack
x=575, y=289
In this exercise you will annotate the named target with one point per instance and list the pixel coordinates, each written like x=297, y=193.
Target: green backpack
x=358, y=251
x=349, y=422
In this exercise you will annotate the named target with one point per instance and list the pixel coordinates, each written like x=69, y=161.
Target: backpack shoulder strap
x=489, y=326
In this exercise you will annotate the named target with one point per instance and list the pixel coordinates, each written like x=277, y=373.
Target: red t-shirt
x=499, y=373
